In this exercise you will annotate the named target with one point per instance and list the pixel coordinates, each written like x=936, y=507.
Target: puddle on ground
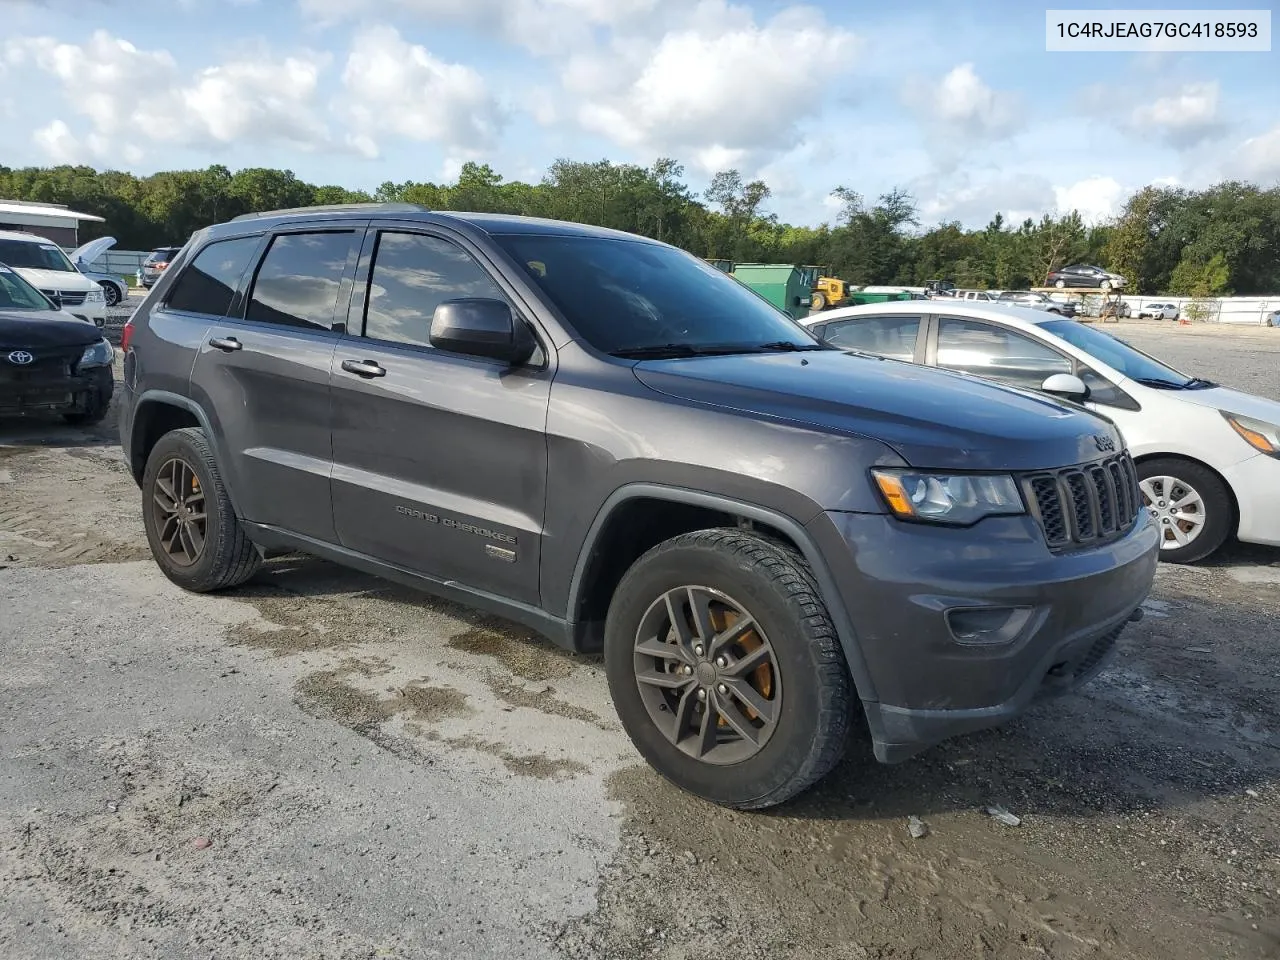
x=530, y=657
x=544, y=702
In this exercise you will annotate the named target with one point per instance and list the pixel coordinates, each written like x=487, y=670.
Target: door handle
x=227, y=344
x=364, y=368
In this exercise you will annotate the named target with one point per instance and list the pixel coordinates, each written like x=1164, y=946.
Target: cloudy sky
x=957, y=102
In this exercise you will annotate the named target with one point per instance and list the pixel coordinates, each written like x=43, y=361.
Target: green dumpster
x=782, y=284
x=857, y=297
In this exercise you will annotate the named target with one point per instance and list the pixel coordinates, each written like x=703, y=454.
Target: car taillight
x=126, y=335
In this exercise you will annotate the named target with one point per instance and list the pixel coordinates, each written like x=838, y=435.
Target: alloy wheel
x=708, y=675
x=178, y=508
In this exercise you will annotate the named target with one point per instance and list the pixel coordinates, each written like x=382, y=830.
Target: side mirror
x=1066, y=385
x=481, y=327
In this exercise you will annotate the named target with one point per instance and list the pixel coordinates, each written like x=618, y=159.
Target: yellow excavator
x=826, y=291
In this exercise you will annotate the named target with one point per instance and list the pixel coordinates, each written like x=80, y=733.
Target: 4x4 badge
x=1104, y=442
x=20, y=357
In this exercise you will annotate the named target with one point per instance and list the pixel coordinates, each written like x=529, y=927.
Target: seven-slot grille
x=1086, y=505
x=69, y=298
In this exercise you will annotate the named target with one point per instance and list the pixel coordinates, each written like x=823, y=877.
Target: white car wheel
x=1190, y=506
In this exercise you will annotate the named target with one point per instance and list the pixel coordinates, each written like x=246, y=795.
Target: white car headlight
x=97, y=354
x=1262, y=436
x=948, y=498
x=95, y=296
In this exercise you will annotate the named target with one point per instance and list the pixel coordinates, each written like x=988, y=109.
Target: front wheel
x=726, y=670
x=818, y=302
x=194, y=534
x=111, y=292
x=1190, y=506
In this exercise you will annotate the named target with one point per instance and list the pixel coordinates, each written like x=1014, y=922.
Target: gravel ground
x=323, y=765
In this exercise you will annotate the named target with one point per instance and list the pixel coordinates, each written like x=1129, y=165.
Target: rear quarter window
x=209, y=282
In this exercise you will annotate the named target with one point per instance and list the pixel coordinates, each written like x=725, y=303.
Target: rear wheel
x=111, y=292
x=1061, y=284
x=1190, y=506
x=193, y=531
x=725, y=668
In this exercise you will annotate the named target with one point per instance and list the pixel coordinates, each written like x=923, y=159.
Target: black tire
x=228, y=557
x=111, y=292
x=776, y=589
x=818, y=302
x=1218, y=505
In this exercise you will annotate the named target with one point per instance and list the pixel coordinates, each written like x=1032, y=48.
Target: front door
x=439, y=460
x=265, y=371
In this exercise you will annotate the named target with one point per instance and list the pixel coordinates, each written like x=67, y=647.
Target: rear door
x=995, y=352
x=263, y=371
x=440, y=460
x=897, y=336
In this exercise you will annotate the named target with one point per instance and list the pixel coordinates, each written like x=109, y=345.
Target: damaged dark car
x=50, y=361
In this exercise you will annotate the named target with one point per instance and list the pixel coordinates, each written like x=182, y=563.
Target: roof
x=493, y=223
x=25, y=237
x=53, y=211
x=1012, y=316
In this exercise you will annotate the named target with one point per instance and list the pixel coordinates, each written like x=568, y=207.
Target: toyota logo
x=21, y=357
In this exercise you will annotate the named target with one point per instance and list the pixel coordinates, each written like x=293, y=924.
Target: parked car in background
x=767, y=538
x=1119, y=309
x=50, y=361
x=1086, y=276
x=981, y=296
x=1038, y=301
x=1159, y=311
x=154, y=266
x=42, y=263
x=113, y=287
x=1208, y=457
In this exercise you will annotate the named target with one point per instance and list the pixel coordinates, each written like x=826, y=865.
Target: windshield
x=630, y=297
x=17, y=294
x=34, y=254
x=1116, y=354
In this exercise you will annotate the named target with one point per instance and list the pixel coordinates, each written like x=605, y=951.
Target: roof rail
x=337, y=208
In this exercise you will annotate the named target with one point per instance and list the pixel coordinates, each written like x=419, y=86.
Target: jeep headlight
x=948, y=498
x=97, y=354
x=95, y=296
x=1262, y=436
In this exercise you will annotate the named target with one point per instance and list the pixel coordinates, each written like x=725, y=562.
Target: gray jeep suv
x=609, y=441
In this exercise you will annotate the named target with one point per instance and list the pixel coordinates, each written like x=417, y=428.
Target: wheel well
x=631, y=530
x=152, y=421
x=1231, y=494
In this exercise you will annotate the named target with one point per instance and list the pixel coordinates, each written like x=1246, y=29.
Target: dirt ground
x=324, y=765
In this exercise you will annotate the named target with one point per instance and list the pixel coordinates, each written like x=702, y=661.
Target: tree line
x=1221, y=240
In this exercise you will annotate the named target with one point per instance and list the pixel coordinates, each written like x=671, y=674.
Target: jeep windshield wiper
x=789, y=347
x=659, y=351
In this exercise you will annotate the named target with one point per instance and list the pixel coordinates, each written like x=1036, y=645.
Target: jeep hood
x=932, y=418
x=41, y=329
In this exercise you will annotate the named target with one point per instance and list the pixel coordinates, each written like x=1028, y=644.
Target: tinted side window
x=209, y=281
x=884, y=336
x=297, y=284
x=412, y=275
x=987, y=350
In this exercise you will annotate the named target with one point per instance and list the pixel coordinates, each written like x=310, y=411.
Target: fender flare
x=793, y=529
x=170, y=399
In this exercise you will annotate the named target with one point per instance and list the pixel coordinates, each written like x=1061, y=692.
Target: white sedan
x=1208, y=457
x=1159, y=311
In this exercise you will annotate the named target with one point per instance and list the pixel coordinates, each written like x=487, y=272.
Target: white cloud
x=1183, y=119
x=961, y=106
x=1096, y=198
x=393, y=87
x=1017, y=196
x=128, y=95
x=1257, y=158
x=722, y=88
